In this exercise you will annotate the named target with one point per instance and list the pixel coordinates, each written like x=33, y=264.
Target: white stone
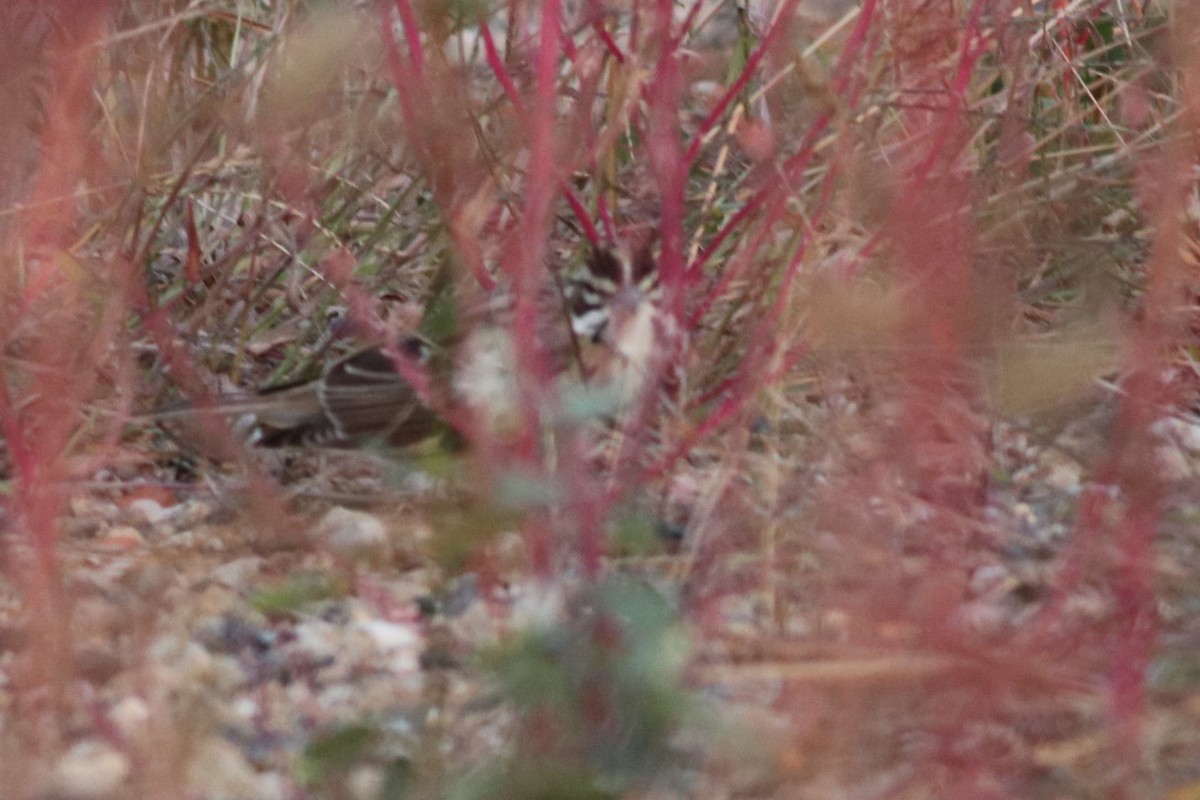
x=401, y=642
x=90, y=770
x=355, y=535
x=148, y=510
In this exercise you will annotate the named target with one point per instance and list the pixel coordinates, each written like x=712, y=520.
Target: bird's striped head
x=613, y=287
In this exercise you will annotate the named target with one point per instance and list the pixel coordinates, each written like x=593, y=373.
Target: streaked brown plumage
x=363, y=397
x=358, y=398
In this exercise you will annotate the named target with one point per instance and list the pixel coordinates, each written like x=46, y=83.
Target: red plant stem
x=568, y=45
x=670, y=171
x=854, y=43
x=968, y=58
x=1132, y=463
x=1086, y=537
x=581, y=214
x=587, y=507
x=1129, y=472
x=732, y=273
x=777, y=189
x=774, y=196
x=781, y=23
x=40, y=415
x=666, y=162
x=412, y=37
x=741, y=390
x=524, y=261
x=688, y=21
x=607, y=40
x=605, y=215
x=595, y=16
x=934, y=246
x=413, y=93
x=498, y=69
x=736, y=222
x=662, y=96
x=1137, y=627
x=404, y=76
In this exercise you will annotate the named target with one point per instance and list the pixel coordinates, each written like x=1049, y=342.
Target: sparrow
x=358, y=398
x=363, y=397
x=615, y=284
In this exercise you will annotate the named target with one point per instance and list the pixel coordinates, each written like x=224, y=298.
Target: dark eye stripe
x=588, y=294
x=605, y=265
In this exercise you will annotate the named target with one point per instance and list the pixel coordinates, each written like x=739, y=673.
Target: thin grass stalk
x=496, y=63
x=54, y=307
x=779, y=26
x=606, y=39
x=664, y=93
x=775, y=191
x=1124, y=505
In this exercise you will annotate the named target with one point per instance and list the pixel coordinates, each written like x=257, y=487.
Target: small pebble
x=147, y=510
x=90, y=770
x=121, y=537
x=355, y=535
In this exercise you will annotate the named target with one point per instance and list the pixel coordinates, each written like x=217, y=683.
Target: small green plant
x=598, y=694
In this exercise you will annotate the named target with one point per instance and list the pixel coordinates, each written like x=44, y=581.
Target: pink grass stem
x=972, y=50
x=581, y=214
x=525, y=256
x=412, y=37
x=781, y=23
x=607, y=40
x=795, y=165
x=403, y=72
x=602, y=209
x=741, y=390
x=670, y=170
x=496, y=63
x=689, y=20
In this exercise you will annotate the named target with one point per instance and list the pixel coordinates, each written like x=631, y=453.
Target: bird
x=630, y=324
x=614, y=285
x=360, y=397
x=365, y=397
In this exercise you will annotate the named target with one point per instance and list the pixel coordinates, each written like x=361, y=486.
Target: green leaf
x=335, y=753
x=299, y=590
